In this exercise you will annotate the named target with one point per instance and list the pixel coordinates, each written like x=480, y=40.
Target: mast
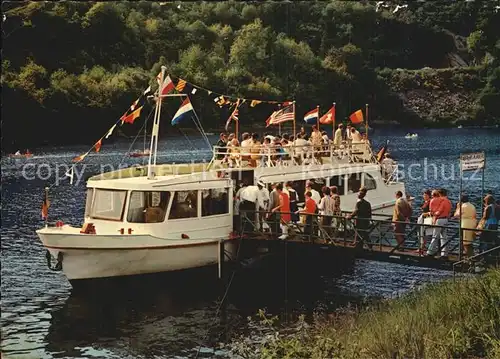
x=156, y=125
x=294, y=129
x=317, y=118
x=333, y=120
x=366, y=123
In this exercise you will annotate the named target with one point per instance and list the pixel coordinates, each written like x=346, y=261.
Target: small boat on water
x=169, y=217
x=410, y=136
x=144, y=153
x=460, y=126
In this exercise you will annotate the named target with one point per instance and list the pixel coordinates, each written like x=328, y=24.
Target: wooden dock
x=380, y=243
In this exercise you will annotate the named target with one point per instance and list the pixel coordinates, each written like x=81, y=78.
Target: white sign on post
x=472, y=161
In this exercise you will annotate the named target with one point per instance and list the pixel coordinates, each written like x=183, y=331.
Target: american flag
x=283, y=115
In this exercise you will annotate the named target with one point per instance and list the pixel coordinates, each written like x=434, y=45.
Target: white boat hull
x=90, y=261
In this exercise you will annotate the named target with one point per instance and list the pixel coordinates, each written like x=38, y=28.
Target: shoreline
x=453, y=318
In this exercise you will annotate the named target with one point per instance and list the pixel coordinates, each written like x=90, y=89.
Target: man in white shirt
x=262, y=204
x=301, y=147
x=249, y=197
x=338, y=135
x=314, y=194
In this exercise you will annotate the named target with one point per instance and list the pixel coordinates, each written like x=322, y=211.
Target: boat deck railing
x=272, y=156
x=377, y=239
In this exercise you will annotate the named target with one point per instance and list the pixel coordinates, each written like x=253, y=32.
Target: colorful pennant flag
x=110, y=132
x=166, y=87
x=130, y=116
x=312, y=116
x=184, y=110
x=329, y=117
x=98, y=145
x=356, y=117
x=283, y=115
x=80, y=158
x=180, y=85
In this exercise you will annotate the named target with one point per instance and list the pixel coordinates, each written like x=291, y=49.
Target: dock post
x=221, y=258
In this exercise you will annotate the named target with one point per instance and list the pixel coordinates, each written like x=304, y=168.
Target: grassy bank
x=453, y=319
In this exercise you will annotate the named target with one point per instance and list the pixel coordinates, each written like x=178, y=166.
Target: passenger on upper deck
x=338, y=135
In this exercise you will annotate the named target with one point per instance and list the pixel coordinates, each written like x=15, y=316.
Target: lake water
x=175, y=317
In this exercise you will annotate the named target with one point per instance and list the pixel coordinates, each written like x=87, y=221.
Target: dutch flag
x=312, y=116
x=185, y=110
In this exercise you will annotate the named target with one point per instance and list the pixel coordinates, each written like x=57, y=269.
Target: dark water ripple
x=170, y=318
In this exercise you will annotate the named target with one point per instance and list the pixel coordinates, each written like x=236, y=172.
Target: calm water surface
x=171, y=317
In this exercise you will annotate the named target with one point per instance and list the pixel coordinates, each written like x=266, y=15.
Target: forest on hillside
x=70, y=69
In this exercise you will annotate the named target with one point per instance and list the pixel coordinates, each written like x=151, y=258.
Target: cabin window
x=184, y=205
x=147, y=206
x=369, y=182
x=108, y=204
x=214, y=201
x=88, y=202
x=353, y=182
x=338, y=181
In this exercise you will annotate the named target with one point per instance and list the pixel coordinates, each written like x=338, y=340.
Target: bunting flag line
x=329, y=117
x=229, y=100
x=184, y=110
x=283, y=115
x=356, y=117
x=312, y=116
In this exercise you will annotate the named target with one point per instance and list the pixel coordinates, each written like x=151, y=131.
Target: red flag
x=165, y=87
x=329, y=117
x=45, y=206
x=356, y=117
x=129, y=117
x=97, y=146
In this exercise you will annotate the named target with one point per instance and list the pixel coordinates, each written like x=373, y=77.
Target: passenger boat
x=160, y=218
x=411, y=136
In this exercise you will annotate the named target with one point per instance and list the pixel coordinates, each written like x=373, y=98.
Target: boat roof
x=196, y=176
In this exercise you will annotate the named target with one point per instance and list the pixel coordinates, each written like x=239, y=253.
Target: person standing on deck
x=401, y=215
x=337, y=140
x=326, y=207
x=222, y=146
x=440, y=207
x=273, y=217
x=363, y=214
x=249, y=196
x=421, y=219
x=489, y=220
x=315, y=194
x=284, y=210
x=309, y=210
x=292, y=194
x=468, y=214
x=263, y=204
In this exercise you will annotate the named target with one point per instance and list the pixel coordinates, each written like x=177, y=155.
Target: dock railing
x=372, y=234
